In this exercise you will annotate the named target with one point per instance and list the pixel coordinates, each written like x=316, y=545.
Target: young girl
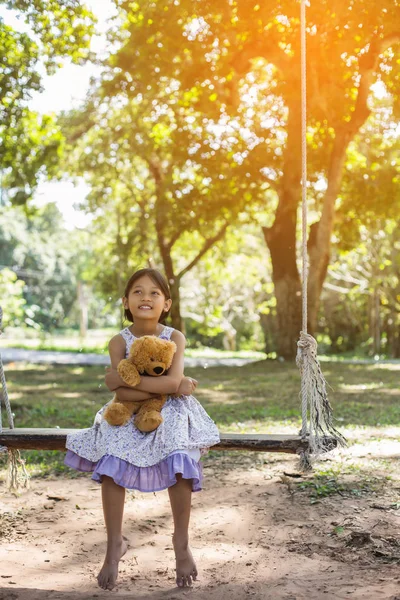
x=123, y=457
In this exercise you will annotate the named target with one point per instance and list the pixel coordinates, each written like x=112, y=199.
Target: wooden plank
x=54, y=439
x=35, y=439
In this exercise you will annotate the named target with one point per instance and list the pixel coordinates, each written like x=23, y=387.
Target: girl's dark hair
x=160, y=282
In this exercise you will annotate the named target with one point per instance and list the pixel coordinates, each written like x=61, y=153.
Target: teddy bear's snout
x=155, y=370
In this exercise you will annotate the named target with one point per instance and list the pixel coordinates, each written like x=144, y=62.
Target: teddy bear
x=149, y=355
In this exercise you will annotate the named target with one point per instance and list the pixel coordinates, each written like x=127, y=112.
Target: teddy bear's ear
x=136, y=347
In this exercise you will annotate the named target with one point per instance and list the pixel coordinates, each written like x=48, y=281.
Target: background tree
x=45, y=257
x=217, y=54
x=366, y=252
x=159, y=172
x=30, y=144
x=222, y=297
x=12, y=300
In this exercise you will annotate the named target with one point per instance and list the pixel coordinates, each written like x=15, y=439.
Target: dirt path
x=254, y=535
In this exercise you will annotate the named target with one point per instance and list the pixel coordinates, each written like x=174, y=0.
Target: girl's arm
x=125, y=394
x=117, y=348
x=167, y=384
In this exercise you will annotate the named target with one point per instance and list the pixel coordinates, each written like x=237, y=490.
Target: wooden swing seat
x=54, y=439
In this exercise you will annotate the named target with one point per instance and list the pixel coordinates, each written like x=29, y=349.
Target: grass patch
x=261, y=397
x=349, y=482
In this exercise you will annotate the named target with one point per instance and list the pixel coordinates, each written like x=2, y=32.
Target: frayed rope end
x=17, y=475
x=323, y=436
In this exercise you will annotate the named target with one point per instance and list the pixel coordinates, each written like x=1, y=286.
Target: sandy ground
x=253, y=534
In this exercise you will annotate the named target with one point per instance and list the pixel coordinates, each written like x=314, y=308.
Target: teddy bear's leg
x=149, y=416
x=118, y=413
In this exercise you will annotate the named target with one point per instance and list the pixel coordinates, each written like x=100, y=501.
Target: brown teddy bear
x=149, y=355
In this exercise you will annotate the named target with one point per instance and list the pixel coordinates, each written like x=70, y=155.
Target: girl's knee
x=182, y=482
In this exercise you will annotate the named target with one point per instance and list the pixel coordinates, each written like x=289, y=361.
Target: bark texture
x=281, y=241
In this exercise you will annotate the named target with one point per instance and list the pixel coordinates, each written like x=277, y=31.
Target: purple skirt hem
x=144, y=479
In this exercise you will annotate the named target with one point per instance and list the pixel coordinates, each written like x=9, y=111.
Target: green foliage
x=189, y=129
x=61, y=28
x=223, y=296
x=187, y=132
x=219, y=54
x=361, y=299
x=12, y=300
x=30, y=144
x=42, y=255
x=370, y=190
x=150, y=186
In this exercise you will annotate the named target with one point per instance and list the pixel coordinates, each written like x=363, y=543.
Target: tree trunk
x=281, y=241
x=319, y=242
x=288, y=303
x=165, y=246
x=377, y=328
x=174, y=282
x=176, y=318
x=269, y=328
x=83, y=310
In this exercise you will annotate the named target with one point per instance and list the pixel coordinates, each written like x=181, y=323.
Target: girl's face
x=145, y=299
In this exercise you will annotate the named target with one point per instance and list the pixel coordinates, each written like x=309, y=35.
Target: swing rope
x=316, y=411
x=17, y=476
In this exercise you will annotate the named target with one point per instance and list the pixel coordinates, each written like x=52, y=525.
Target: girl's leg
x=180, y=496
x=113, y=497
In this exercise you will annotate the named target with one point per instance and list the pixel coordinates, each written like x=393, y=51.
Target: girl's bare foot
x=109, y=571
x=186, y=570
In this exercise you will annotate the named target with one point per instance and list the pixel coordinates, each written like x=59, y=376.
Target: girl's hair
x=160, y=282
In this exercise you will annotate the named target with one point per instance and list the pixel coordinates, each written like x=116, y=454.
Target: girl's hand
x=113, y=379
x=187, y=386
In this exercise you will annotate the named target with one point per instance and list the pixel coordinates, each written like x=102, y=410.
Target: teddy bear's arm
x=129, y=373
x=167, y=384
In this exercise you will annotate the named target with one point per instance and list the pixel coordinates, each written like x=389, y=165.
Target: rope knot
x=306, y=347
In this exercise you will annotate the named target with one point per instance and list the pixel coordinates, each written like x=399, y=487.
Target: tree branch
x=174, y=239
x=262, y=48
x=368, y=63
x=207, y=245
x=273, y=183
x=240, y=62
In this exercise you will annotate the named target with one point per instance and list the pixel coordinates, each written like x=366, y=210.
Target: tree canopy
x=30, y=144
x=234, y=68
x=192, y=134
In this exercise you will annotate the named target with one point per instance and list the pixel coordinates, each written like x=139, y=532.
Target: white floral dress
x=147, y=462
